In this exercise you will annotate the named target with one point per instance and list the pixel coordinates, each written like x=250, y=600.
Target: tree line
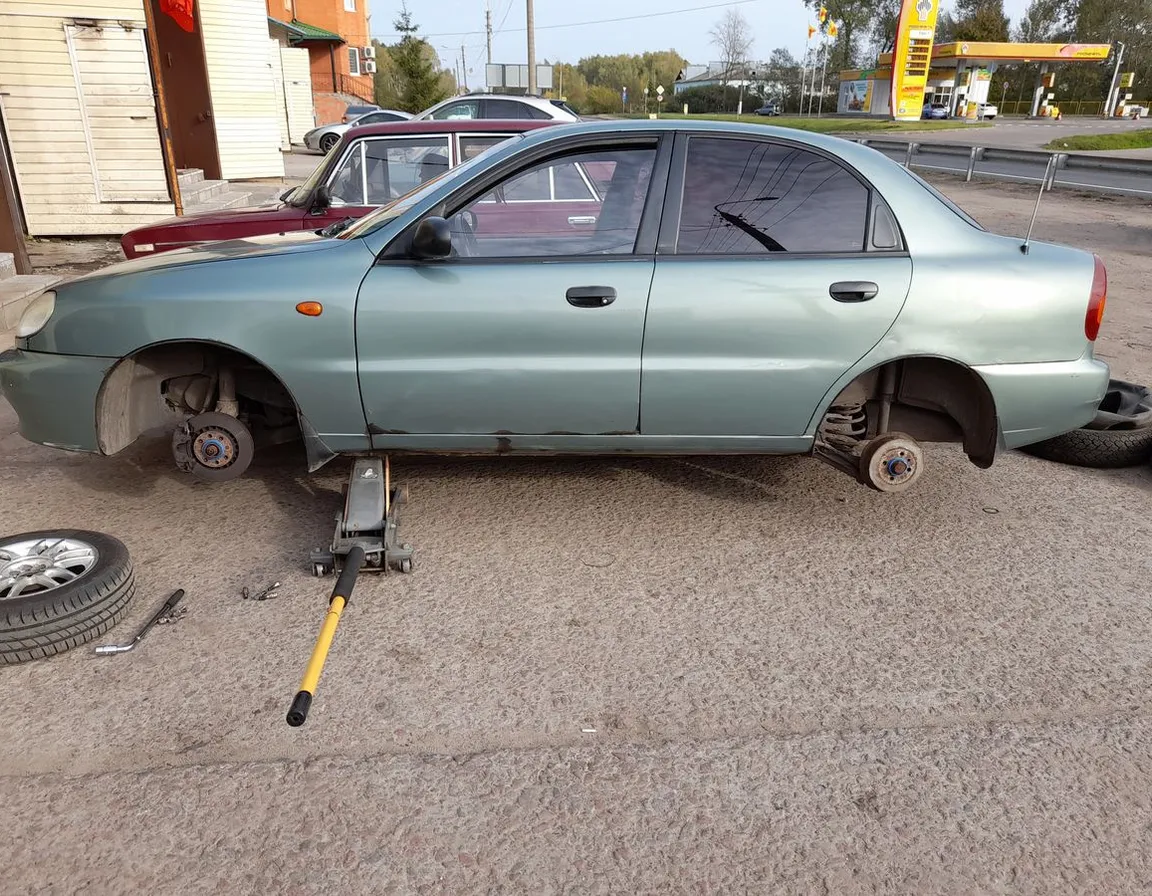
x=410, y=76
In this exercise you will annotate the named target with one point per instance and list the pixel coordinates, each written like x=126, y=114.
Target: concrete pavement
x=621, y=675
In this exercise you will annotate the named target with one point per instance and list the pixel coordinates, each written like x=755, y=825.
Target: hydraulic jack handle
x=341, y=594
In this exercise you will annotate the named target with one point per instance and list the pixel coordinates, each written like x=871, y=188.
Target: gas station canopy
x=959, y=73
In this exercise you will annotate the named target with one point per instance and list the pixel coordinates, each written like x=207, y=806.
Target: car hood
x=198, y=220
x=228, y=250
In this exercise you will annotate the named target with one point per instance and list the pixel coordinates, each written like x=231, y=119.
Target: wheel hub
x=214, y=448
x=896, y=464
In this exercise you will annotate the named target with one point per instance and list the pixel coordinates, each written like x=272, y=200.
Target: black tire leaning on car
x=50, y=621
x=1119, y=436
x=1103, y=449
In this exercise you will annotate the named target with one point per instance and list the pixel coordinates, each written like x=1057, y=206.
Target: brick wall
x=329, y=108
x=332, y=15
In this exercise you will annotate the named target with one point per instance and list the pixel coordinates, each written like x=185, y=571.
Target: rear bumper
x=1038, y=401
x=54, y=396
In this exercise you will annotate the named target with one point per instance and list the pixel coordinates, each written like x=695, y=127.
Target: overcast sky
x=651, y=26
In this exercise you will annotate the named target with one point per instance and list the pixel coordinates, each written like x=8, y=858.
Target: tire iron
x=165, y=610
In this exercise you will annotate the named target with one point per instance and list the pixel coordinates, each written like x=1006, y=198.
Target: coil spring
x=844, y=426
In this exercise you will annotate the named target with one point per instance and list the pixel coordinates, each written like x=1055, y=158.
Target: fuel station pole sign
x=915, y=31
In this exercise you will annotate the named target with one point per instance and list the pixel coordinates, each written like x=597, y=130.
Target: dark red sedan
x=369, y=167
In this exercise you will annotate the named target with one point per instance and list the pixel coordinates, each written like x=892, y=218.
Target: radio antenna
x=1036, y=210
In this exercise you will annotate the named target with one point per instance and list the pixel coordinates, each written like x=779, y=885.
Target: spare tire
x=1119, y=436
x=60, y=589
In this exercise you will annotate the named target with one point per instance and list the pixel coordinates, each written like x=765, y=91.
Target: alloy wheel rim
x=36, y=566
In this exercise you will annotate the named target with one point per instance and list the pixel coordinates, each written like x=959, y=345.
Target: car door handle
x=853, y=291
x=577, y=220
x=591, y=296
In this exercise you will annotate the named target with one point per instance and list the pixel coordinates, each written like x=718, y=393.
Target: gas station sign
x=915, y=32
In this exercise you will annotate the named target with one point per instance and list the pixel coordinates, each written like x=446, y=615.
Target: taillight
x=1099, y=298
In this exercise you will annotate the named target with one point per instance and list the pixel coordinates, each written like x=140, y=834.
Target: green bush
x=715, y=98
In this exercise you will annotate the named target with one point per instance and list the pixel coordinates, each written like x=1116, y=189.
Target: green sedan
x=643, y=287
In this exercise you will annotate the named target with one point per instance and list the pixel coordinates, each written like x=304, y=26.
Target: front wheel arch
x=135, y=395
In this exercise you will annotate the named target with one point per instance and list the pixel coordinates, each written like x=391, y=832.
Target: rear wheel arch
x=160, y=383
x=931, y=398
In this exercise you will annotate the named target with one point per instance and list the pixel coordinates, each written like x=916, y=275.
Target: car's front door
x=779, y=269
x=376, y=170
x=520, y=331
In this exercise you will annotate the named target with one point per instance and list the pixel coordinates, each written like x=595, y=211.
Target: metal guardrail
x=976, y=154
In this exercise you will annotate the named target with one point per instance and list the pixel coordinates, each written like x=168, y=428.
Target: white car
x=505, y=108
x=987, y=111
x=323, y=138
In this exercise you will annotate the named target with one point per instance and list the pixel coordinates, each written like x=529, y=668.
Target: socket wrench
x=169, y=606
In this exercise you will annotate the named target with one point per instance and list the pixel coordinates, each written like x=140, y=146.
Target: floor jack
x=366, y=539
x=370, y=521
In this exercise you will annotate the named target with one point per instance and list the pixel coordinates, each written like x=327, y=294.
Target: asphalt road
x=927, y=157
x=613, y=676
x=1033, y=133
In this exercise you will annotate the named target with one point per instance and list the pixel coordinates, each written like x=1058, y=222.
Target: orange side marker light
x=310, y=309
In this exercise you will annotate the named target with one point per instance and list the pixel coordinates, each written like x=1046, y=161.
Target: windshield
x=299, y=196
x=397, y=207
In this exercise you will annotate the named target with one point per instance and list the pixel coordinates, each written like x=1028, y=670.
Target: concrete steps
x=202, y=195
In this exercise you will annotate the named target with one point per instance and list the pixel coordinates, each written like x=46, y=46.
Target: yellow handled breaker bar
x=341, y=594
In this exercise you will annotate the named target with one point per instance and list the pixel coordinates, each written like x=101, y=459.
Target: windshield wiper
x=338, y=227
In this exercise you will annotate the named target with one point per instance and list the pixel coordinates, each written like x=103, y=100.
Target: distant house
x=752, y=76
x=85, y=86
x=711, y=75
x=342, y=60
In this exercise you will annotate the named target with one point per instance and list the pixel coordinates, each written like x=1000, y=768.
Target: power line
x=650, y=15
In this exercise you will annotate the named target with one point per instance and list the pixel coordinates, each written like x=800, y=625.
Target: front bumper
x=1038, y=401
x=55, y=396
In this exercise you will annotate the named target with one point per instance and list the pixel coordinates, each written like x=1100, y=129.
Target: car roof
x=449, y=126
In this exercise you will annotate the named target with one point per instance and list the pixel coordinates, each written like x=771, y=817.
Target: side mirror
x=432, y=239
x=322, y=198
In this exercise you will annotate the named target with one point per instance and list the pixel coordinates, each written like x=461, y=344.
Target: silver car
x=322, y=139
x=623, y=287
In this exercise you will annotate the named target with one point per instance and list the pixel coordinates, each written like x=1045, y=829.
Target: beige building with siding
x=79, y=111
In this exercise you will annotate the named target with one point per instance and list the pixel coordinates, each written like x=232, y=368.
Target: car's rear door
x=778, y=269
x=521, y=332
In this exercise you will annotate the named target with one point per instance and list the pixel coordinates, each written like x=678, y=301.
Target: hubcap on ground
x=36, y=566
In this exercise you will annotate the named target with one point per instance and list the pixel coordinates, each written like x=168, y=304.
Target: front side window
x=464, y=109
x=553, y=208
x=377, y=171
x=749, y=197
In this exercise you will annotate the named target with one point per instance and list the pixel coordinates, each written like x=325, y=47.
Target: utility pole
x=531, y=49
x=464, y=67
x=1110, y=104
x=488, y=28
